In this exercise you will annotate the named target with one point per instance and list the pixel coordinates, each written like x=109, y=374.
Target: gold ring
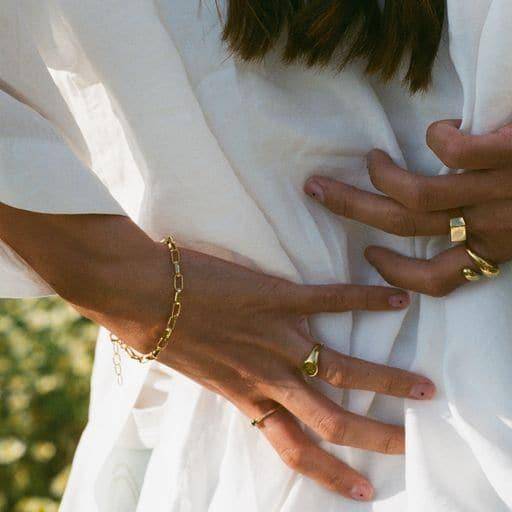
x=471, y=275
x=310, y=364
x=256, y=421
x=487, y=268
x=458, y=231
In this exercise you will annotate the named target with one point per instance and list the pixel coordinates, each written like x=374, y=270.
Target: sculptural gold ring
x=310, y=364
x=458, y=231
x=256, y=421
x=486, y=267
x=471, y=275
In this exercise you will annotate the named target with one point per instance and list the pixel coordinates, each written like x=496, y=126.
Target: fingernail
x=399, y=301
x=423, y=391
x=362, y=492
x=314, y=190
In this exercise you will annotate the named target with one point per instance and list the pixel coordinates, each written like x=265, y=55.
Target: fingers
x=379, y=211
x=410, y=196
x=436, y=277
x=434, y=193
x=301, y=454
x=458, y=150
x=312, y=299
x=351, y=373
x=333, y=423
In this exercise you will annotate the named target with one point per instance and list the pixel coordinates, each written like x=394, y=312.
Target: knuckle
x=281, y=384
x=333, y=298
x=393, y=444
x=293, y=456
x=331, y=428
x=400, y=223
x=341, y=205
x=391, y=383
x=477, y=223
x=487, y=223
x=420, y=197
x=451, y=153
x=336, y=374
x=282, y=390
x=336, y=481
x=387, y=384
x=367, y=299
x=275, y=290
x=435, y=285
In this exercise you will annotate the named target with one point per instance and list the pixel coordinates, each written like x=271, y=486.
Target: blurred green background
x=46, y=355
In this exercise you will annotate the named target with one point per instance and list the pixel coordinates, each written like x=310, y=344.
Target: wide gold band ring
x=458, y=231
x=486, y=267
x=256, y=421
x=310, y=364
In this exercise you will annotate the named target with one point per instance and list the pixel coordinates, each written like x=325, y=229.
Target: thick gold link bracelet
x=164, y=339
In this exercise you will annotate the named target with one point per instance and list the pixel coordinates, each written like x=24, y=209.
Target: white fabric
x=223, y=149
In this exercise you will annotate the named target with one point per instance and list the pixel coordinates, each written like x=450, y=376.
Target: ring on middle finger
x=310, y=364
x=458, y=231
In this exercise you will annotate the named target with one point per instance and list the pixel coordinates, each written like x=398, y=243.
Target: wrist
x=131, y=293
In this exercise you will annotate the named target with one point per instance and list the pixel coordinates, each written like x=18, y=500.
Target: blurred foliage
x=46, y=354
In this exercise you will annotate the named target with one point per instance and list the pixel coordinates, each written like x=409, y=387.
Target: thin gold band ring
x=256, y=421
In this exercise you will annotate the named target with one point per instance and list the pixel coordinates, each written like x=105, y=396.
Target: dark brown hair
x=322, y=31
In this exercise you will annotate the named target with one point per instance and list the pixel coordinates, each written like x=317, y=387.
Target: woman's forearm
x=103, y=264
x=240, y=333
x=70, y=252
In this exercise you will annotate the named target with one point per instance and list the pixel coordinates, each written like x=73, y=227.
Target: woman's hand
x=241, y=334
x=244, y=335
x=415, y=205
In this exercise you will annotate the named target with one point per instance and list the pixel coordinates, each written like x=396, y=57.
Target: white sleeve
x=44, y=162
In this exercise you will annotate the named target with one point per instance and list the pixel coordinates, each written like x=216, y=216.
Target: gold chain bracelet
x=164, y=339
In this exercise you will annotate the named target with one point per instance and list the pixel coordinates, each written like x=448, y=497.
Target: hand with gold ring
x=243, y=334
x=475, y=205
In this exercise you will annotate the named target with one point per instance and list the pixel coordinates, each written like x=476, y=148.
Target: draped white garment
x=216, y=152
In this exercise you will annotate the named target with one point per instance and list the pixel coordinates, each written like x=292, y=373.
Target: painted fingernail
x=399, y=301
x=362, y=492
x=314, y=190
x=423, y=391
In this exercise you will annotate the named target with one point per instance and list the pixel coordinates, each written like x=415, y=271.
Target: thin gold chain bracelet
x=164, y=339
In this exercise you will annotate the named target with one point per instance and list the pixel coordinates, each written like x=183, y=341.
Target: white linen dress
x=182, y=136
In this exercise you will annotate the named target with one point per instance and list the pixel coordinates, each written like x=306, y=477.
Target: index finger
x=435, y=193
x=459, y=150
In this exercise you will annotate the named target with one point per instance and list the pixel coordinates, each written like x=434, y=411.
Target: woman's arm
x=416, y=205
x=241, y=334
x=105, y=265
